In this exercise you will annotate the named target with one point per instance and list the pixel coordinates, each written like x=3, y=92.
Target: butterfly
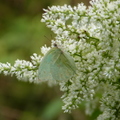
x=56, y=65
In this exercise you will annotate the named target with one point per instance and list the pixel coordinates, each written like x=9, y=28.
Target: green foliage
x=52, y=110
x=23, y=37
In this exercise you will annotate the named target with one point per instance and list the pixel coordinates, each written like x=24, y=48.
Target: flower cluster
x=92, y=37
x=23, y=70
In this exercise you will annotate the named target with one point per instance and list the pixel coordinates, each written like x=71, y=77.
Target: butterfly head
x=55, y=45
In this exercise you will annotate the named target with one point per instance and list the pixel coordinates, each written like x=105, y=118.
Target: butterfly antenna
x=46, y=37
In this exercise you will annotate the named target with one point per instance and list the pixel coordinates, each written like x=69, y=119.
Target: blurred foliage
x=21, y=35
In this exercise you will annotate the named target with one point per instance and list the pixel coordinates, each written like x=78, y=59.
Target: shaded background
x=21, y=35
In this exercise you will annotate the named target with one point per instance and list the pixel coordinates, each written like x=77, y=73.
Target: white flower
x=44, y=49
x=92, y=37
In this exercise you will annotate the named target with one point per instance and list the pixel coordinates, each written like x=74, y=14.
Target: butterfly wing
x=44, y=71
x=71, y=61
x=63, y=67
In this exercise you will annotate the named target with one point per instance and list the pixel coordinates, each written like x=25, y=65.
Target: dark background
x=21, y=35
